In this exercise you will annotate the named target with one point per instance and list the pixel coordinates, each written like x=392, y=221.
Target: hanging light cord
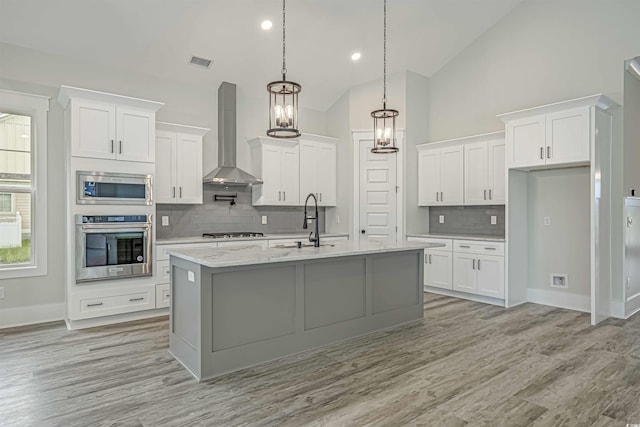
x=284, y=65
x=384, y=73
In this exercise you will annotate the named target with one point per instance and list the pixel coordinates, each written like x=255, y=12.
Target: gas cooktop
x=231, y=235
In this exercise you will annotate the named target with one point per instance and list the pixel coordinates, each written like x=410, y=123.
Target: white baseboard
x=560, y=299
x=73, y=325
x=31, y=314
x=617, y=309
x=464, y=295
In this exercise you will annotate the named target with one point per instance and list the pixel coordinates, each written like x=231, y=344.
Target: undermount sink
x=304, y=245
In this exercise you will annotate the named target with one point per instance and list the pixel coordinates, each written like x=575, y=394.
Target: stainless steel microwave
x=106, y=188
x=113, y=247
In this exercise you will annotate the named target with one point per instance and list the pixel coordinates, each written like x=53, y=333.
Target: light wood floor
x=466, y=363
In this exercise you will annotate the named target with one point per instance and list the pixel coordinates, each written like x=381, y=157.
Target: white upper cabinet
x=178, y=177
x=485, y=172
x=277, y=163
x=440, y=175
x=292, y=169
x=318, y=171
x=552, y=135
x=107, y=126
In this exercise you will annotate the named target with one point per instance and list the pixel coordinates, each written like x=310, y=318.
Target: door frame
x=356, y=136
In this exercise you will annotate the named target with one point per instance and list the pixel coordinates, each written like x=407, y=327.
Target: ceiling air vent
x=200, y=62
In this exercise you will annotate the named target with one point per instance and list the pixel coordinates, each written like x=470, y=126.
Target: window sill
x=18, y=272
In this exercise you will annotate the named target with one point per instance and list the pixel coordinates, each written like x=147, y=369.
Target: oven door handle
x=95, y=228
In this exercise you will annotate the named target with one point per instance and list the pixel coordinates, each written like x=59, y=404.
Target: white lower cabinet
x=490, y=276
x=94, y=303
x=438, y=269
x=163, y=295
x=464, y=273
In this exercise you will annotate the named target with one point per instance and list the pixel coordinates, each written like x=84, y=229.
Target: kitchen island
x=235, y=307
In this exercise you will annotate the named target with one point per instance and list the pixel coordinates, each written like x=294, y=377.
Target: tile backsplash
x=193, y=220
x=467, y=220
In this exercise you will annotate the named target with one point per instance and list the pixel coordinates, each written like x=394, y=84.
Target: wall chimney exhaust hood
x=227, y=173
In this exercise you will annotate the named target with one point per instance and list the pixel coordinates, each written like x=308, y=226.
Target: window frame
x=12, y=202
x=37, y=107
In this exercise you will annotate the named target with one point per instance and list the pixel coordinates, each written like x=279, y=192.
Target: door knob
x=362, y=231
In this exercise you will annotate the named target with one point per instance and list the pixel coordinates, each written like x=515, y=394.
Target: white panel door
x=476, y=174
x=327, y=174
x=568, y=136
x=308, y=169
x=378, y=203
x=526, y=142
x=464, y=273
x=497, y=170
x=94, y=130
x=290, y=176
x=452, y=176
x=189, y=168
x=490, y=276
x=164, y=182
x=135, y=130
x=438, y=269
x=428, y=177
x=272, y=175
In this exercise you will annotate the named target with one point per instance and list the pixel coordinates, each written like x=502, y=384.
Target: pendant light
x=283, y=99
x=384, y=120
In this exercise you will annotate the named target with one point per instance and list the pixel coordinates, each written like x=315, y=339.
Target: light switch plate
x=165, y=220
x=264, y=220
x=191, y=276
x=494, y=220
x=547, y=221
x=441, y=219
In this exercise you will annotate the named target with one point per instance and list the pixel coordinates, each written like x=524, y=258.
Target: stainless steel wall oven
x=107, y=188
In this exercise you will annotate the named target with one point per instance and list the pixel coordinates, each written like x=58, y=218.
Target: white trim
x=599, y=100
x=36, y=107
x=617, y=309
x=69, y=92
x=73, y=325
x=178, y=128
x=400, y=181
x=464, y=295
x=31, y=314
x=560, y=299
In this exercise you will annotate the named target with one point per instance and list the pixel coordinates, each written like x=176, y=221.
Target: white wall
x=39, y=73
x=542, y=51
x=564, y=246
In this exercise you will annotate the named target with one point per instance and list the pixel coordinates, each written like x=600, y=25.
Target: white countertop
x=459, y=237
x=250, y=255
x=273, y=236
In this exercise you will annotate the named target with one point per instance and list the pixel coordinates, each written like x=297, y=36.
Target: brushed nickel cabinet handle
x=181, y=192
x=320, y=196
x=279, y=196
x=174, y=192
x=136, y=299
x=94, y=304
x=485, y=194
x=474, y=264
x=112, y=142
x=490, y=249
x=465, y=246
x=120, y=147
x=437, y=197
x=548, y=152
x=430, y=260
x=284, y=196
x=490, y=196
x=442, y=196
x=541, y=153
x=426, y=258
x=478, y=264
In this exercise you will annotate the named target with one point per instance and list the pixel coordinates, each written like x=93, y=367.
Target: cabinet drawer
x=163, y=295
x=162, y=251
x=448, y=243
x=161, y=271
x=479, y=247
x=118, y=303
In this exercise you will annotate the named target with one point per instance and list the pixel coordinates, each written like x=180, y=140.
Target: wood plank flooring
x=466, y=363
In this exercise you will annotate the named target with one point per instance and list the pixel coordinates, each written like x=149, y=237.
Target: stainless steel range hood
x=227, y=173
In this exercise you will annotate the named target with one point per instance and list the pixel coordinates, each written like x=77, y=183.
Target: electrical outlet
x=547, y=221
x=1, y=293
x=441, y=219
x=264, y=220
x=494, y=220
x=165, y=220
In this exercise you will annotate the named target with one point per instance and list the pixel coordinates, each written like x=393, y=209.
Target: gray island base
x=232, y=308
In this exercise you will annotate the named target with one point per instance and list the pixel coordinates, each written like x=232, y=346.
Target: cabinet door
x=452, y=176
x=428, y=177
x=135, y=131
x=93, y=131
x=568, y=137
x=309, y=169
x=164, y=182
x=271, y=175
x=526, y=142
x=497, y=170
x=476, y=174
x=327, y=174
x=490, y=273
x=290, y=167
x=438, y=269
x=189, y=169
x=464, y=272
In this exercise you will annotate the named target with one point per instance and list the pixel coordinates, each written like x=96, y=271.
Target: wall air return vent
x=200, y=62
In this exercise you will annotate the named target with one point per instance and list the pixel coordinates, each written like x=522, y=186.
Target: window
x=23, y=175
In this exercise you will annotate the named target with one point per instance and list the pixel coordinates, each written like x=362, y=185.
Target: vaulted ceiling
x=158, y=37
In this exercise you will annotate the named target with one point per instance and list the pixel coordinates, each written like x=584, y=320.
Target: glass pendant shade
x=384, y=125
x=283, y=109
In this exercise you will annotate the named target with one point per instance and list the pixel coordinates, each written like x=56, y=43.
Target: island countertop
x=251, y=255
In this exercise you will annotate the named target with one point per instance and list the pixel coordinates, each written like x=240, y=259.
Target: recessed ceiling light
x=356, y=56
x=266, y=24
